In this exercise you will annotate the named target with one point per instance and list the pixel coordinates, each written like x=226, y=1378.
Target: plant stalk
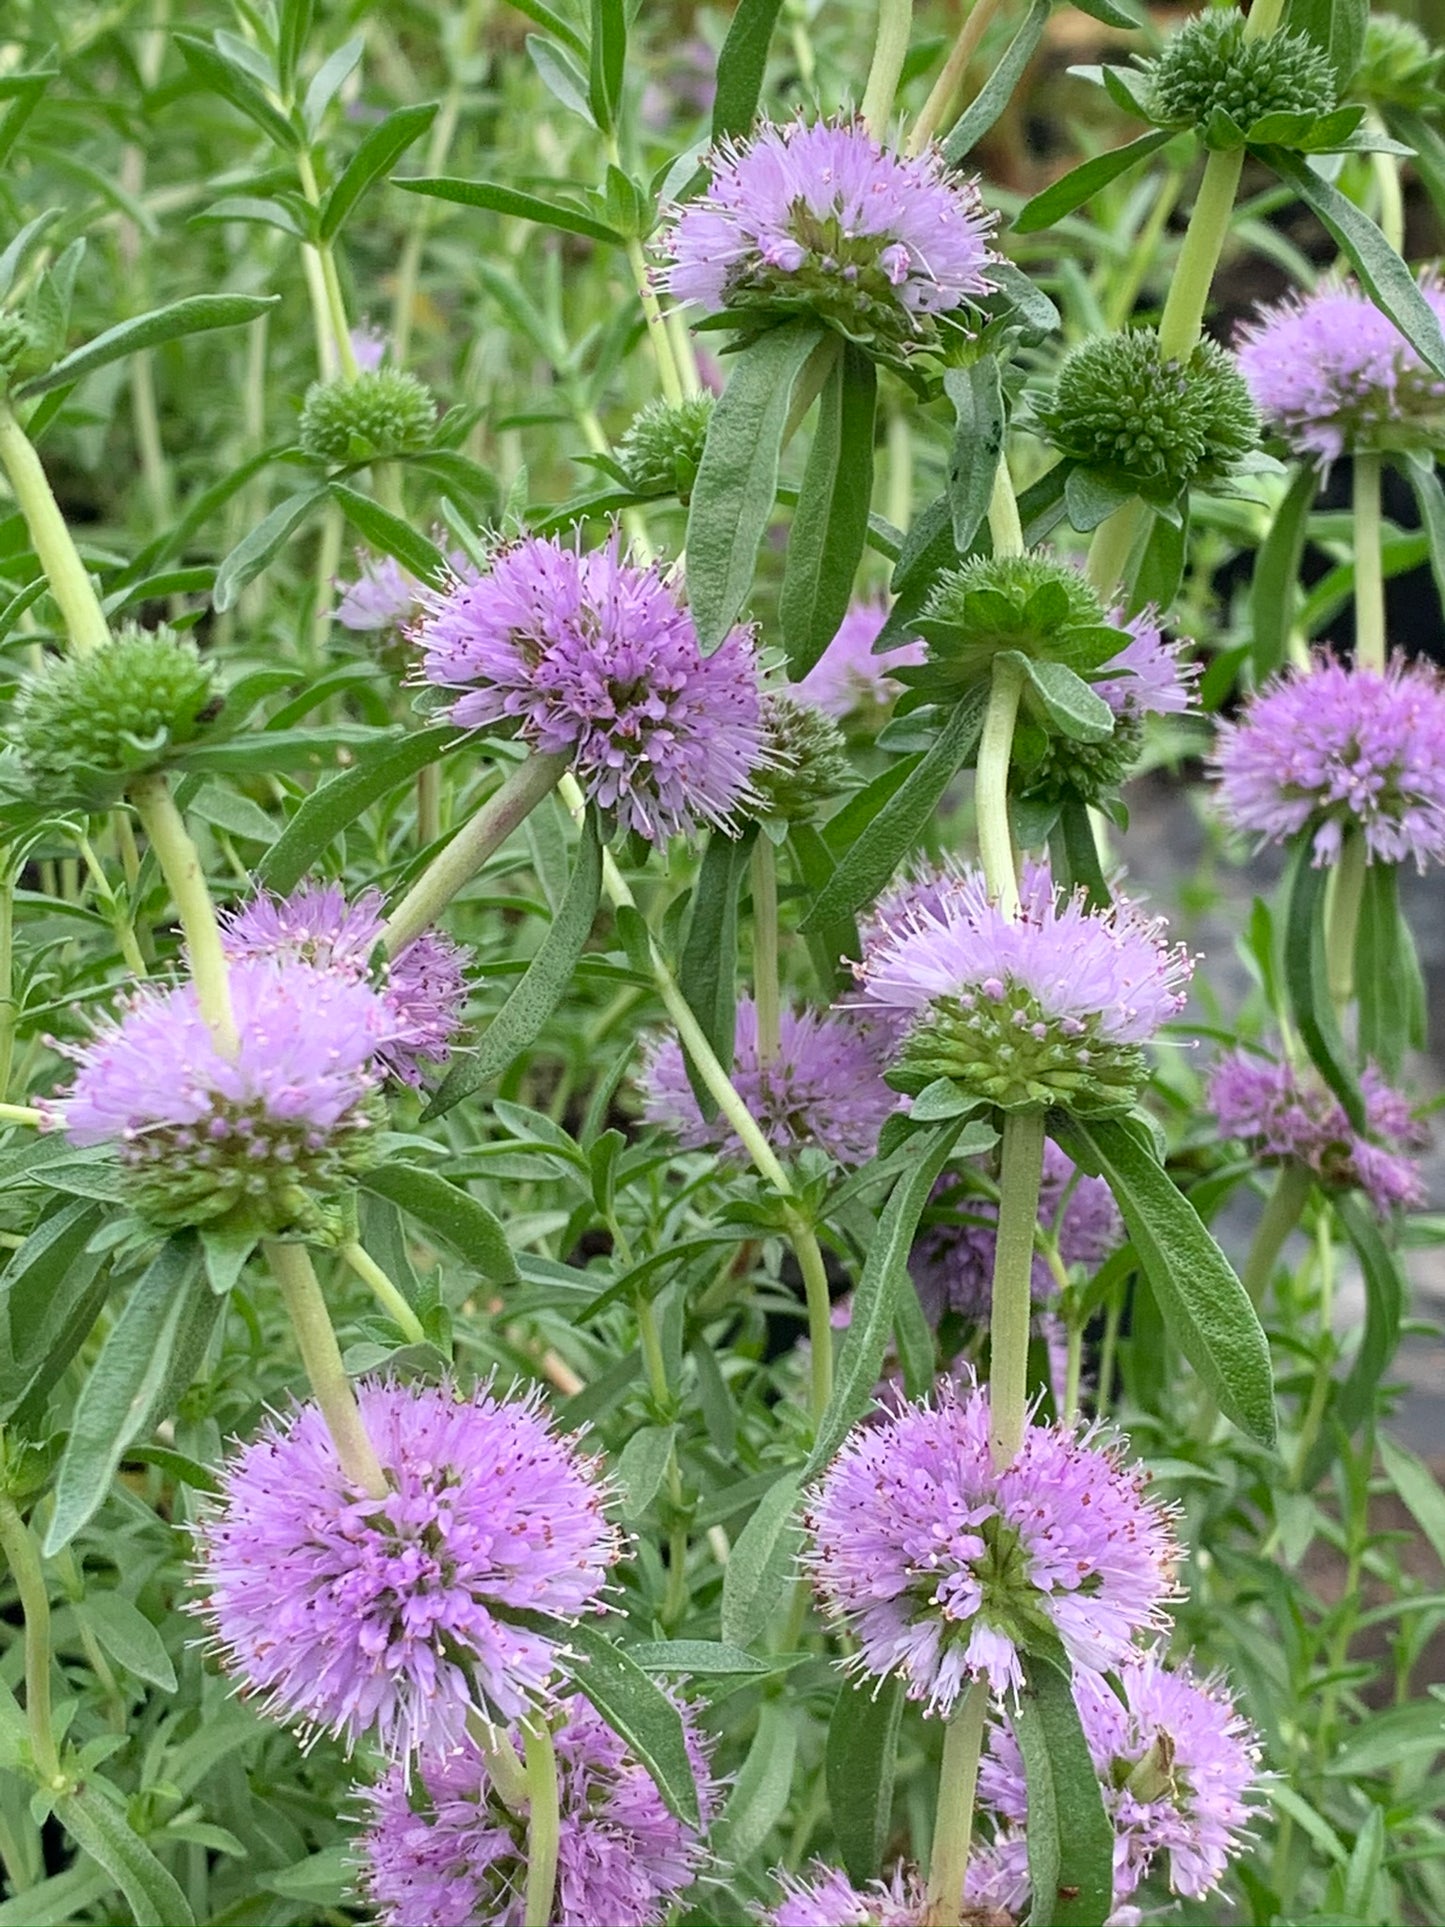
x=321, y=1355
x=386, y=1294
x=71, y=586
x=890, y=49
x=995, y=839
x=504, y=1769
x=1021, y=1164
x=766, y=990
x=1281, y=1215
x=544, y=1822
x=1369, y=565
x=18, y=1543
x=1204, y=240
x=180, y=865
x=950, y=79
x=1343, y=921
x=1111, y=546
x=953, y=1819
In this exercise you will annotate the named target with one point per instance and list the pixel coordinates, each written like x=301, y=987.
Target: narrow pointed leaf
x=1306, y=977
x=392, y=535
x=98, y=1826
x=508, y=200
x=382, y=149
x=977, y=396
x=998, y=90
x=1082, y=183
x=1070, y=1838
x=1273, y=593
x=741, y=66
x=193, y=316
x=830, y=523
x=256, y=551
x=472, y=1230
x=329, y=810
x=638, y=1710
x=762, y=1561
x=860, y=1758
x=707, y=968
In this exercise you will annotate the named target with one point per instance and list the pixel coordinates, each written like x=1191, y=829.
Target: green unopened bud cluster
x=16, y=341
x=1031, y=605
x=1155, y=427
x=1211, y=67
x=1399, y=67
x=86, y=725
x=805, y=760
x=661, y=451
x=1004, y=1049
x=383, y=413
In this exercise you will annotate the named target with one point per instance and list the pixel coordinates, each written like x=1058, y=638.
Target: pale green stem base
x=504, y=1769
x=23, y=1555
x=1004, y=526
x=384, y=1291
x=890, y=49
x=1021, y=1164
x=945, y=88
x=766, y=991
x=1342, y=921
x=1113, y=543
x=1203, y=244
x=995, y=839
x=321, y=1356
x=1281, y=1215
x=21, y=1114
x=953, y=1820
x=458, y=863
x=544, y=1823
x=180, y=865
x=72, y=588
x=1369, y=565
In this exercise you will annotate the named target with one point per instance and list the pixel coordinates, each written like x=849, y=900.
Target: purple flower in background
x=442, y=1850
x=952, y=1257
x=1354, y=747
x=1176, y=1763
x=592, y=657
x=941, y=1567
x=821, y=217
x=1147, y=676
x=423, y=986
x=1282, y=1114
x=369, y=345
x=848, y=680
x=361, y=1616
x=1051, y=1007
x=1330, y=374
x=201, y=1135
x=825, y=1897
x=824, y=1087
x=383, y=596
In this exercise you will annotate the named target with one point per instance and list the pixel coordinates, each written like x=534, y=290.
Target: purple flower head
x=848, y=680
x=362, y=1616
x=1176, y=1763
x=594, y=658
x=1344, y=749
x=369, y=345
x=1050, y=1008
x=442, y=1850
x=258, y=1137
x=819, y=217
x=423, y=986
x=952, y=1257
x=824, y=1087
x=385, y=596
x=1331, y=374
x=1282, y=1114
x=942, y=1567
x=825, y=1897
x=1147, y=676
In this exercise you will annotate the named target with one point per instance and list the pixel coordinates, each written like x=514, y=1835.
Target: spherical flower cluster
x=994, y=1894
x=805, y=759
x=1176, y=1763
x=261, y=1138
x=383, y=596
x=1399, y=67
x=383, y=413
x=952, y=1257
x=662, y=449
x=823, y=1088
x=443, y=1851
x=1284, y=1115
x=594, y=658
x=1053, y=1007
x=1331, y=374
x=382, y=1616
x=819, y=218
x=1032, y=604
x=1212, y=66
x=423, y=986
x=848, y=681
x=1342, y=749
x=943, y=1568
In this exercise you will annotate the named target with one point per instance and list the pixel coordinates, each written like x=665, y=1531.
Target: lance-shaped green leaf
x=637, y=1709
x=741, y=66
x=542, y=985
x=381, y=149
x=998, y=90
x=1082, y=183
x=329, y=810
x=607, y=61
x=50, y=1293
x=392, y=535
x=255, y=551
x=223, y=73
x=1389, y=989
x=1068, y=702
x=508, y=200
x=1272, y=588
x=193, y=316
x=977, y=396
x=1424, y=479
x=1336, y=26
x=707, y=968
x=1386, y=1296
x=830, y=523
x=1070, y=1838
x=1205, y=1307
x=1307, y=980
x=98, y=1826
x=737, y=479
x=762, y=1561
x=860, y=1758
x=454, y=1216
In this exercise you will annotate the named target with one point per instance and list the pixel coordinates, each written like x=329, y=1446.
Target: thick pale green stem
x=820, y=1319
x=458, y=863
x=384, y=1291
x=1004, y=526
x=1369, y=566
x=504, y=1769
x=945, y=88
x=766, y=991
x=1021, y=1163
x=1264, y=18
x=18, y=1543
x=180, y=865
x=890, y=49
x=995, y=840
x=1281, y=1215
x=668, y=374
x=335, y=305
x=321, y=1356
x=1110, y=549
x=1073, y=1372
x=1343, y=919
x=9, y=1003
x=72, y=588
x=21, y=1114
x=1204, y=240
x=544, y=1823
x=953, y=1819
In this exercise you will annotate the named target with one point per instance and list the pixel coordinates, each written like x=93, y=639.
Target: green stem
x=1109, y=1351
x=1386, y=169
x=668, y=374
x=1204, y=241
x=1264, y=18
x=384, y=1291
x=1004, y=525
x=1021, y=1164
x=953, y=1818
x=71, y=586
x=945, y=88
x=18, y=1543
x=455, y=866
x=335, y=304
x=995, y=839
x=321, y=1356
x=180, y=865
x=9, y=1003
x=1111, y=547
x=820, y=1318
x=890, y=49
x=21, y=1114
x=1281, y=1215
x=766, y=993
x=499, y=1756
x=1073, y=1372
x=544, y=1823
x=1369, y=565
x=119, y=922
x=1343, y=918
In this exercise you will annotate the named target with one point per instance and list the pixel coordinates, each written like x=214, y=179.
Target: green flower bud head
x=1010, y=1054
x=661, y=450
x=380, y=414
x=1050, y=768
x=1399, y=67
x=16, y=341
x=1028, y=605
x=1210, y=68
x=804, y=760
x=1151, y=427
x=86, y=725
